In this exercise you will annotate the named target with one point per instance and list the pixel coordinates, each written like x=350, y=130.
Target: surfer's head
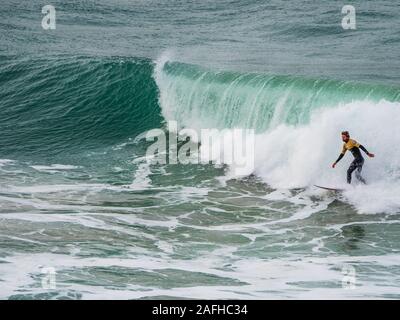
x=345, y=136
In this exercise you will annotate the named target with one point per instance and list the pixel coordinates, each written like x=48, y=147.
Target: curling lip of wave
x=197, y=97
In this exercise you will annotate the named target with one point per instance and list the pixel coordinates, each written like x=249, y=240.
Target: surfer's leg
x=358, y=172
x=350, y=170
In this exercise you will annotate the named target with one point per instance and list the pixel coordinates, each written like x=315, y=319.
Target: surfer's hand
x=333, y=165
x=371, y=155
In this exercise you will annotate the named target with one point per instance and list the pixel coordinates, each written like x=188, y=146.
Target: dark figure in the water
x=354, y=147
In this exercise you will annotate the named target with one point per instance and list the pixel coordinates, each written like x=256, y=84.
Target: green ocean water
x=78, y=196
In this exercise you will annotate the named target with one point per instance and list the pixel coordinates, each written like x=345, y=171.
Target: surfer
x=354, y=147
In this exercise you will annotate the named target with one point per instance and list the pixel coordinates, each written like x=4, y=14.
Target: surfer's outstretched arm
x=339, y=158
x=371, y=155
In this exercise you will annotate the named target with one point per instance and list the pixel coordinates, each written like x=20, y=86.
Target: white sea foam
x=141, y=179
x=273, y=278
x=4, y=162
x=290, y=157
x=54, y=167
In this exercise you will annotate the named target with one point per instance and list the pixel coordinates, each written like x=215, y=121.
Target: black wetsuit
x=358, y=161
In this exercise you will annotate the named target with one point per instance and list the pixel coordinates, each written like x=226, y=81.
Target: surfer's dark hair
x=346, y=133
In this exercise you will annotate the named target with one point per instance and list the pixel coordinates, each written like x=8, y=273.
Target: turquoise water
x=78, y=195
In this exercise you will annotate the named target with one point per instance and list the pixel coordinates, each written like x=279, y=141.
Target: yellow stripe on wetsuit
x=350, y=145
